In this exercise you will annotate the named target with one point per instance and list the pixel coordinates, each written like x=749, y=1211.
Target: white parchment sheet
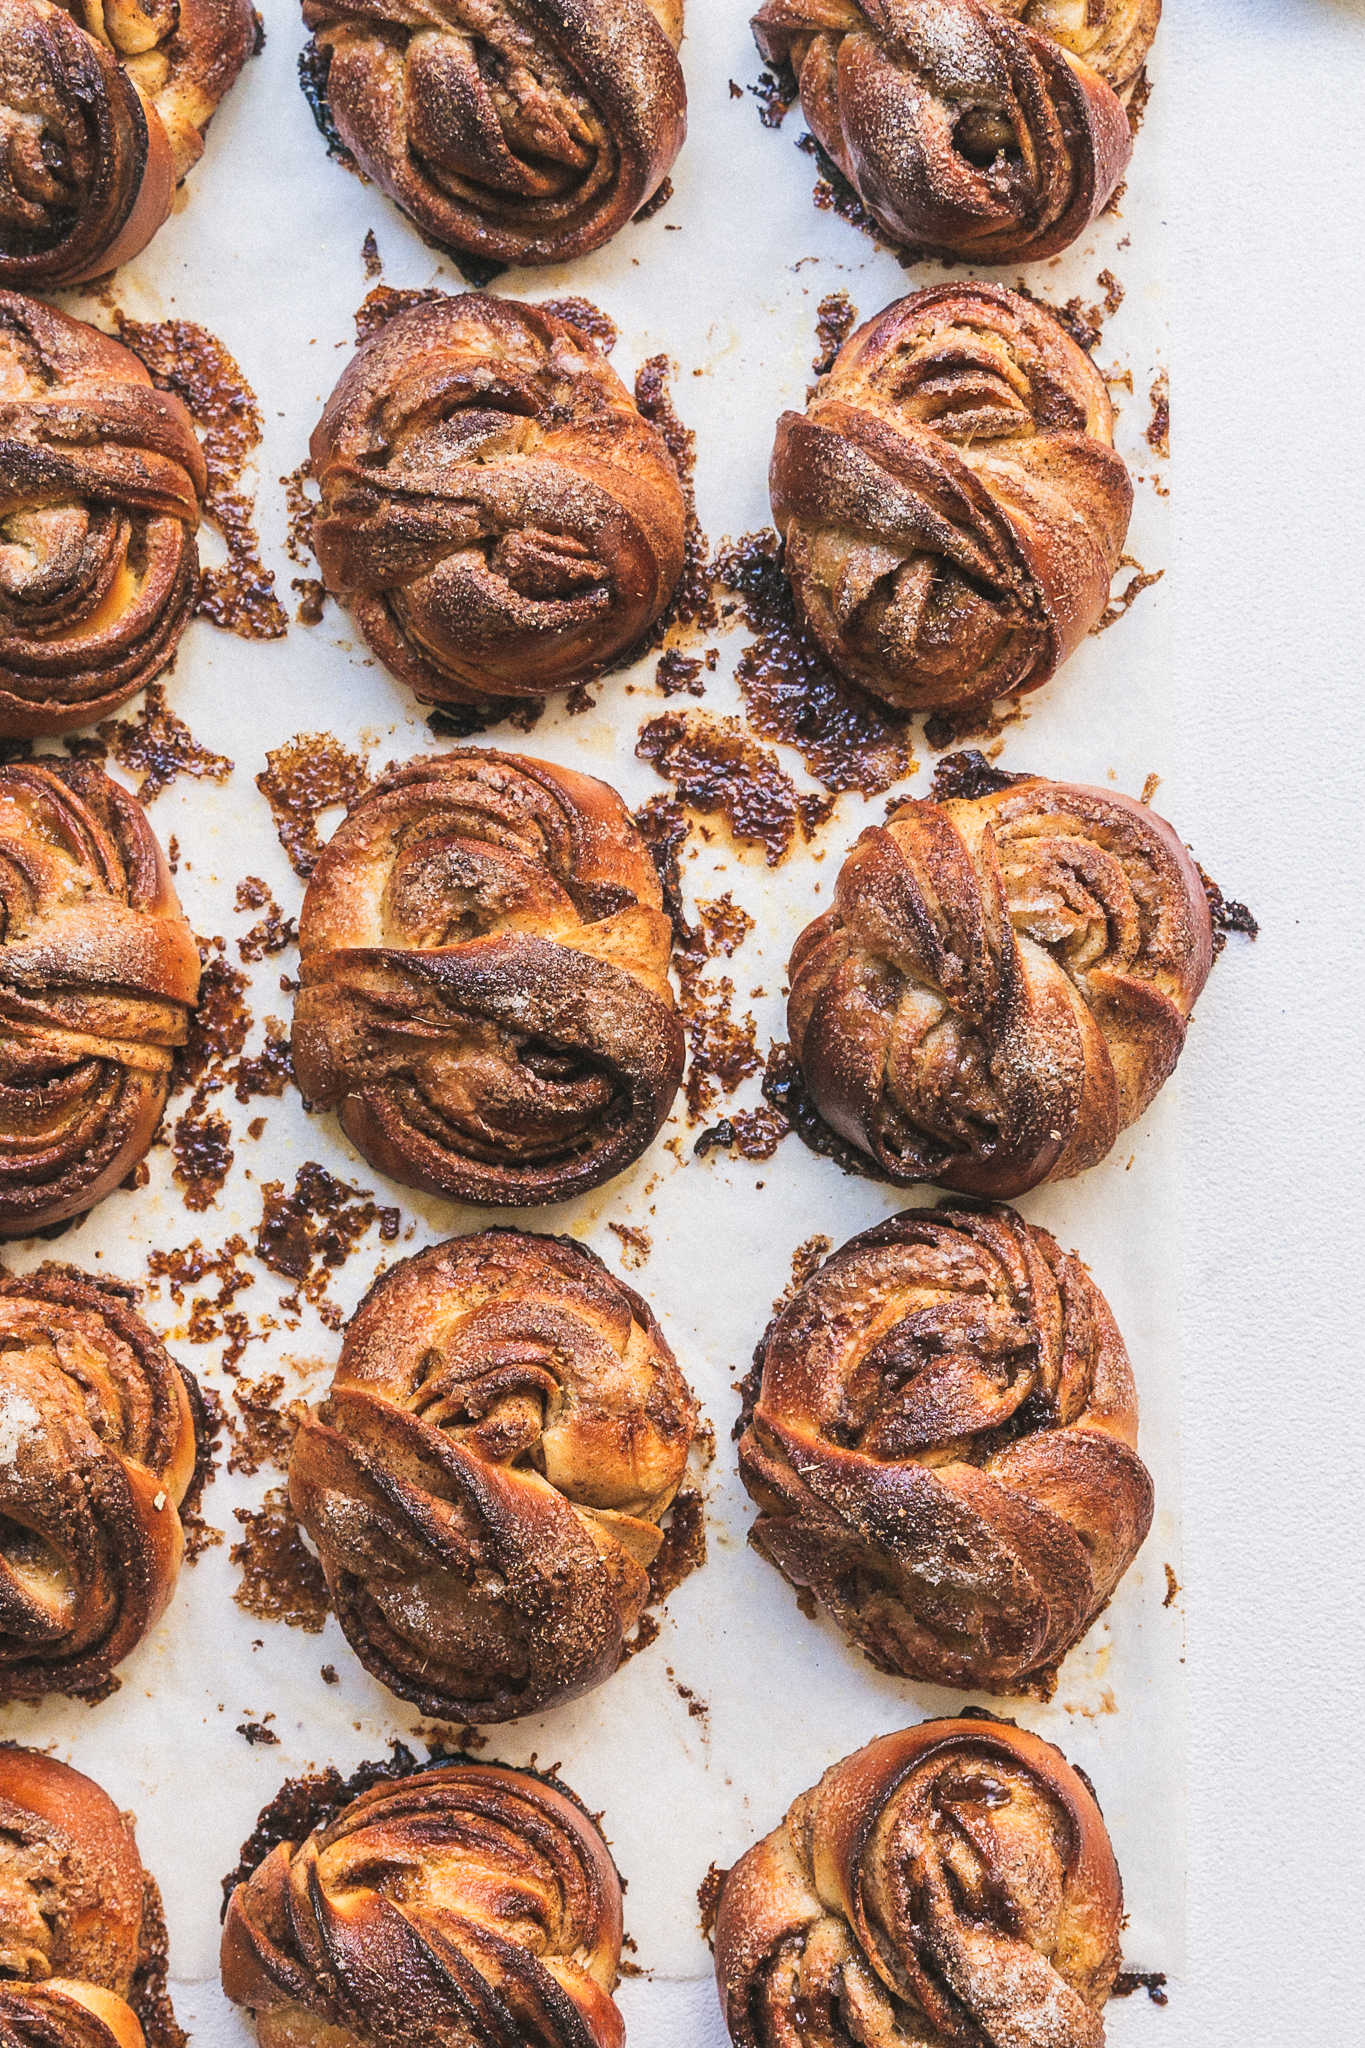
x=265, y=251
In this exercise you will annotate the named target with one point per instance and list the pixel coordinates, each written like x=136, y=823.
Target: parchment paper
x=265, y=251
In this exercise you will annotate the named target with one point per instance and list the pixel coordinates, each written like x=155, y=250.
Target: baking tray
x=698, y=1744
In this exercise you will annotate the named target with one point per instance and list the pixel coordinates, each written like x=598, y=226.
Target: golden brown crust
x=950, y=1883
x=485, y=995
x=72, y=1888
x=964, y=131
x=97, y=1451
x=944, y=1447
x=103, y=105
x=1002, y=984
x=496, y=513
x=469, y=1904
x=98, y=971
x=485, y=1480
x=101, y=478
x=952, y=506
x=526, y=133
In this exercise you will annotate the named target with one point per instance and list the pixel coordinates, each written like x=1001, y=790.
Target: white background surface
x=1250, y=647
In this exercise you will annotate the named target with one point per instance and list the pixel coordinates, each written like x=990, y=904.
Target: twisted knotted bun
x=73, y=1895
x=99, y=122
x=484, y=966
x=967, y=133
x=953, y=1883
x=1002, y=984
x=495, y=512
x=469, y=1904
x=98, y=970
x=99, y=1442
x=101, y=478
x=943, y=1447
x=951, y=502
x=516, y=134
x=485, y=1481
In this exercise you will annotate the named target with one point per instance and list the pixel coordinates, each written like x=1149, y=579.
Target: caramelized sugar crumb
x=708, y=1901
x=191, y=362
x=158, y=746
x=834, y=319
x=309, y=774
x=281, y=1580
x=716, y=767
x=636, y=1245
x=1141, y=580
x=693, y=602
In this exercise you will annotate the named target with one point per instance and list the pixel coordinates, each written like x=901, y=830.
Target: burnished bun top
x=98, y=1447
x=469, y=1903
x=527, y=134
x=989, y=130
x=485, y=980
x=953, y=1883
x=103, y=104
x=952, y=505
x=101, y=479
x=525, y=1404
x=496, y=512
x=943, y=1447
x=98, y=969
x=1002, y=984
x=71, y=1907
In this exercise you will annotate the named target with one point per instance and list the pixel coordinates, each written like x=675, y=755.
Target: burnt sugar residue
x=681, y=675
x=754, y=1133
x=722, y=1050
x=212, y=1059
x=785, y=1092
x=777, y=93
x=969, y=775
x=715, y=767
x=1225, y=914
x=806, y=1259
x=315, y=62
x=273, y=932
x=280, y=1580
x=262, y=1431
x=834, y=194
x=693, y=605
x=300, y=509
x=636, y=1245
x=212, y=1318
x=199, y=1533
x=1083, y=321
x=308, y=1232
x=683, y=1550
x=186, y=359
x=202, y=1148
x=834, y=318
x=708, y=1901
x=383, y=304
x=973, y=722
x=791, y=695
x=654, y=205
x=664, y=828
x=1141, y=579
x=311, y=773
x=1153, y=1982
x=149, y=1995
x=599, y=327
x=1137, y=101
x=156, y=746
x=370, y=256
x=1159, y=426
